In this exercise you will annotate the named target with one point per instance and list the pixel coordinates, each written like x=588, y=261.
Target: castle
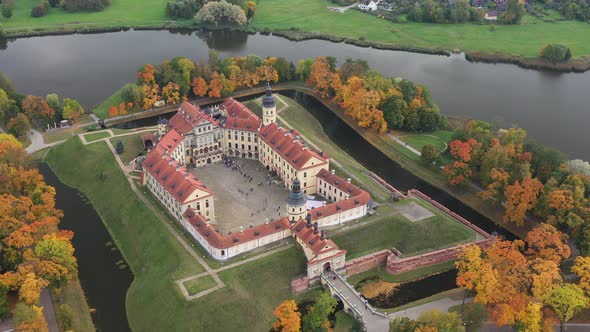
x=195, y=137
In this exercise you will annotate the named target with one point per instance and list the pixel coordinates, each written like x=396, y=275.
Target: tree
x=220, y=14
x=199, y=86
x=41, y=9
x=131, y=93
x=146, y=75
x=11, y=150
x=428, y=154
x=119, y=147
x=303, y=69
x=113, y=111
x=171, y=94
x=288, y=317
x=4, y=309
x=66, y=316
x=317, y=315
x=37, y=110
x=215, y=86
x=29, y=318
x=7, y=9
x=546, y=242
x=19, y=126
x=582, y=269
x=319, y=77
x=53, y=101
x=250, y=9
x=458, y=173
x=449, y=322
x=473, y=315
x=556, y=53
x=403, y=324
x=579, y=166
x=56, y=255
x=151, y=95
x=566, y=300
x=514, y=12
x=30, y=288
x=72, y=109
x=521, y=197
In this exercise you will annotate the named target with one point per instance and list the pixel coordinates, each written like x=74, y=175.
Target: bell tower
x=269, y=107
x=296, y=208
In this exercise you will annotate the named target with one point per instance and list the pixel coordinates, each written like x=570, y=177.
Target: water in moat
x=101, y=269
x=551, y=106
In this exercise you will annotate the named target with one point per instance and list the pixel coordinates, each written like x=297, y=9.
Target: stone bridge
x=354, y=304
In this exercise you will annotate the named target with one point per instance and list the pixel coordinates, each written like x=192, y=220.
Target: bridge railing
x=344, y=298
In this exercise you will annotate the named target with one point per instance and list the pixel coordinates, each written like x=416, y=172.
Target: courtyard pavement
x=243, y=197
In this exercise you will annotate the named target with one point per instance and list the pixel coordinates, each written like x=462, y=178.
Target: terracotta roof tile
x=239, y=116
x=311, y=240
x=169, y=141
x=173, y=177
x=358, y=196
x=188, y=117
x=216, y=240
x=290, y=148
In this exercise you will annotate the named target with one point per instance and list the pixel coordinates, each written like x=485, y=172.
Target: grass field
x=344, y=322
x=200, y=284
x=133, y=146
x=154, y=302
x=439, y=139
x=96, y=136
x=525, y=39
x=409, y=237
x=102, y=110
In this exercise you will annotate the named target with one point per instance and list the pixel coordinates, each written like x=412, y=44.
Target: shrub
x=183, y=8
x=556, y=53
x=19, y=126
x=429, y=154
x=221, y=14
x=65, y=316
x=40, y=10
x=6, y=11
x=85, y=5
x=119, y=147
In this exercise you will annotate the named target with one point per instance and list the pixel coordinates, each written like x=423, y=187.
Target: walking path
x=373, y=320
x=404, y=144
x=37, y=142
x=48, y=310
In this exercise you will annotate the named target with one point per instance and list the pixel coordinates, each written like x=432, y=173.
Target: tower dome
x=269, y=107
x=296, y=208
x=268, y=100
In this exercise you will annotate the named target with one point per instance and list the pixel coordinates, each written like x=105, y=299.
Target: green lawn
x=154, y=302
x=523, y=39
x=402, y=277
x=344, y=322
x=439, y=139
x=120, y=13
x=409, y=237
x=63, y=134
x=200, y=284
x=133, y=146
x=310, y=127
x=96, y=136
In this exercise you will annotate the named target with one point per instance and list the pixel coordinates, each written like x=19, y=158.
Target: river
x=552, y=107
x=105, y=284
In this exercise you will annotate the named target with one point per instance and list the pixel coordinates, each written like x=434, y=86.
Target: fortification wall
x=364, y=263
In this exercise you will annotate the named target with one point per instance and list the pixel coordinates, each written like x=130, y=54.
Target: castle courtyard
x=243, y=194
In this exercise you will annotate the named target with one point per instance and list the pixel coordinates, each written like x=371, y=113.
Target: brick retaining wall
x=396, y=265
x=300, y=285
x=367, y=262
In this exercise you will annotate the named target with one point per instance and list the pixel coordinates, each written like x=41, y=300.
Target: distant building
x=368, y=5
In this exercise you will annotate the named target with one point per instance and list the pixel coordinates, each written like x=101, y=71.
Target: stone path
x=373, y=320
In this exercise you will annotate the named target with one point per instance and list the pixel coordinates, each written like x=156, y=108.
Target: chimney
x=323, y=235
x=163, y=156
x=348, y=180
x=178, y=168
x=308, y=218
x=333, y=171
x=186, y=175
x=170, y=161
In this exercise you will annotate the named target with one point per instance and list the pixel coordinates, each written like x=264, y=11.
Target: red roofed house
x=172, y=144
x=175, y=187
x=240, y=134
x=222, y=247
x=322, y=253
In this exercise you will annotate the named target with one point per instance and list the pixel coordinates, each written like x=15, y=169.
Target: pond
x=552, y=107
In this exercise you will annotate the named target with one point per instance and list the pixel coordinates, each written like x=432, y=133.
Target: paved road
x=48, y=310
x=37, y=142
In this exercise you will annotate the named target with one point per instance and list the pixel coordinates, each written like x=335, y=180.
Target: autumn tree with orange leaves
x=151, y=95
x=171, y=94
x=520, y=198
x=35, y=254
x=215, y=86
x=320, y=77
x=199, y=86
x=288, y=317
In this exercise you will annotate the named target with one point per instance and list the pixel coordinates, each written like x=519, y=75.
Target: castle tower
x=296, y=208
x=269, y=107
x=162, y=127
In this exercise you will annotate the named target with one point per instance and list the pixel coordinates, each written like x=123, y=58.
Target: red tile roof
x=290, y=148
x=169, y=141
x=239, y=116
x=188, y=117
x=358, y=196
x=173, y=177
x=216, y=240
x=311, y=240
